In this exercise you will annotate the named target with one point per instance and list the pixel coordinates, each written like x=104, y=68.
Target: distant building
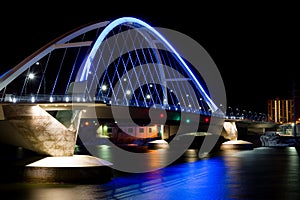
x=281, y=110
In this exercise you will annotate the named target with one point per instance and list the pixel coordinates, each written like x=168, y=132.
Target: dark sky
x=254, y=45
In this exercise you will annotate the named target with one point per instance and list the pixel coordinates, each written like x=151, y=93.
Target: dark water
x=261, y=173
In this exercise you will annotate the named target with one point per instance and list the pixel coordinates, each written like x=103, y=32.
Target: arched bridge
x=94, y=72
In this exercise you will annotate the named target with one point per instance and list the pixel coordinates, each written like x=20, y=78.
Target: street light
x=30, y=76
x=104, y=88
x=43, y=76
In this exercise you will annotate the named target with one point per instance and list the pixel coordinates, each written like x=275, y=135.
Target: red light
x=161, y=115
x=206, y=119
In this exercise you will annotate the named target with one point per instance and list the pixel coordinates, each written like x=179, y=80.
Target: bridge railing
x=10, y=98
x=255, y=118
x=81, y=98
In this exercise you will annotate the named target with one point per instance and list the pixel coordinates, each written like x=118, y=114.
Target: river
x=261, y=173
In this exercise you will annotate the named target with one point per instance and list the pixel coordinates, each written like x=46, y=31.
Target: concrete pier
x=31, y=127
x=22, y=165
x=158, y=144
x=236, y=145
x=69, y=169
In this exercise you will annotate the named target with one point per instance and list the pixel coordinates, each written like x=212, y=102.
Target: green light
x=188, y=121
x=176, y=118
x=105, y=128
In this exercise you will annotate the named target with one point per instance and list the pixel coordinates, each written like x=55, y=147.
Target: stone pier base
x=236, y=145
x=158, y=144
x=69, y=169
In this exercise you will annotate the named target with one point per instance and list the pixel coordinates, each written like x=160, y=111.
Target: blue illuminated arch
x=134, y=21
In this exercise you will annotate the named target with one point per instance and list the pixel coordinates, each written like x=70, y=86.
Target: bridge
x=106, y=77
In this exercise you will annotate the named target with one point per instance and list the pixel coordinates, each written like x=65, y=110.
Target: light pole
x=43, y=76
x=30, y=76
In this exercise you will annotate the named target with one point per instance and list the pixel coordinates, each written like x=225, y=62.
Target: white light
x=128, y=92
x=104, y=87
x=32, y=99
x=31, y=76
x=14, y=100
x=51, y=99
x=67, y=99
x=148, y=96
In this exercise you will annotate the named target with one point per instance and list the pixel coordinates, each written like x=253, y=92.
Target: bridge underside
x=52, y=129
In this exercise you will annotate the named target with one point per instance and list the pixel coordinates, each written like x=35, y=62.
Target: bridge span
x=52, y=129
x=120, y=73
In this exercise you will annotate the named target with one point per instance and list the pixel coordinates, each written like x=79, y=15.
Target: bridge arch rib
x=154, y=40
x=60, y=42
x=149, y=46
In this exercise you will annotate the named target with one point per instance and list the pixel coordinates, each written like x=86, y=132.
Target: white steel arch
x=57, y=43
x=63, y=42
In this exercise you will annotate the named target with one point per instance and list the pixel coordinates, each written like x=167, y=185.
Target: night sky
x=253, y=45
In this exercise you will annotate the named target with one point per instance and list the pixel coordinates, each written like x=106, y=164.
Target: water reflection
x=137, y=160
x=261, y=173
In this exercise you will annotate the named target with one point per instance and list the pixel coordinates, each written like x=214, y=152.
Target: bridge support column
x=230, y=130
x=33, y=128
